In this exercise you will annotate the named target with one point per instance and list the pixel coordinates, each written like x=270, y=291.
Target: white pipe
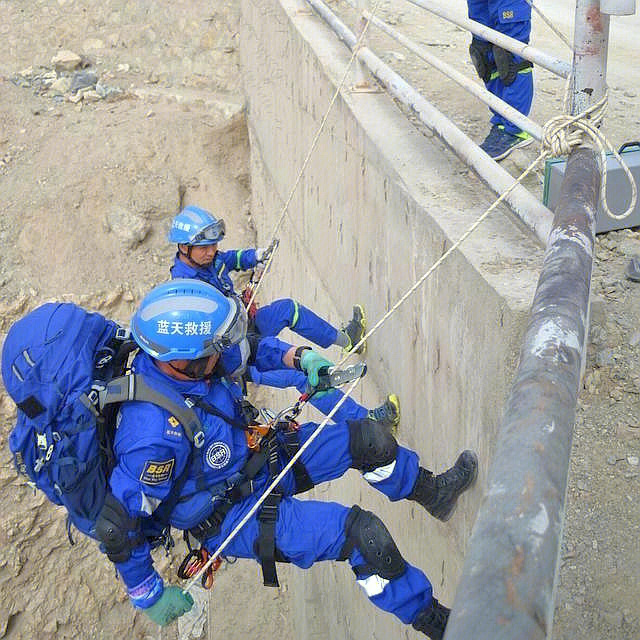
x=529, y=209
x=526, y=51
x=498, y=105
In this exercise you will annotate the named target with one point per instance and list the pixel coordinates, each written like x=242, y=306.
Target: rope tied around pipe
x=563, y=133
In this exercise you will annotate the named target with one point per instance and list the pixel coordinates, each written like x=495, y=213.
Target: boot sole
x=472, y=478
x=362, y=321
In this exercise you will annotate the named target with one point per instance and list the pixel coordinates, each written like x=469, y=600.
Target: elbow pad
x=117, y=532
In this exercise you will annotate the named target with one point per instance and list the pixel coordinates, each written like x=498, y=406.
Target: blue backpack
x=63, y=367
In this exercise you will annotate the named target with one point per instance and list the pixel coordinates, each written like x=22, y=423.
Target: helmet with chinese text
x=187, y=319
x=196, y=227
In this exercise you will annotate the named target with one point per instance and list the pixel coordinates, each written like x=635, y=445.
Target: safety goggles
x=213, y=233
x=234, y=329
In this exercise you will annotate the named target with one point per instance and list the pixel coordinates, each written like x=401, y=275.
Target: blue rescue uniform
x=152, y=451
x=270, y=319
x=513, y=18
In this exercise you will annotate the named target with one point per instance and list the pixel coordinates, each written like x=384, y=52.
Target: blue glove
x=311, y=363
x=172, y=604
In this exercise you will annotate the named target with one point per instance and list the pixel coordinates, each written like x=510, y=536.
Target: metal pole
x=529, y=209
x=526, y=51
x=498, y=105
x=507, y=586
x=361, y=82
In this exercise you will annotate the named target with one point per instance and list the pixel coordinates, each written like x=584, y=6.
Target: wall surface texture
x=378, y=203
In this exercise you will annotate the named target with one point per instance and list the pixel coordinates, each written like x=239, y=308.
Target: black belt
x=210, y=526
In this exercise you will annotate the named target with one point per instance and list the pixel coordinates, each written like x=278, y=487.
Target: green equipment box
x=618, y=188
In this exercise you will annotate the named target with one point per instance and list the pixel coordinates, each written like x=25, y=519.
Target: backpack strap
x=135, y=387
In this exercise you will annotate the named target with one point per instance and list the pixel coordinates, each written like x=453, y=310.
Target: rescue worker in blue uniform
x=505, y=74
x=197, y=234
x=181, y=327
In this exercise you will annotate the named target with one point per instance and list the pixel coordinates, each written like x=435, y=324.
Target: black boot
x=439, y=494
x=432, y=621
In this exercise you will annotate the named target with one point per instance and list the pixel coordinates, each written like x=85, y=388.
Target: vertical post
x=507, y=586
x=361, y=77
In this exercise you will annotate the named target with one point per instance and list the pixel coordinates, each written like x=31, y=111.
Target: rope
x=273, y=485
x=314, y=143
x=550, y=24
x=561, y=134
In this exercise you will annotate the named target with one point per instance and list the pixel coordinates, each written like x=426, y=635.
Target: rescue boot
x=439, y=494
x=388, y=413
x=432, y=621
x=355, y=329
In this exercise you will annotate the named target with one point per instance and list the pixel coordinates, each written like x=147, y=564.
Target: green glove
x=172, y=604
x=311, y=362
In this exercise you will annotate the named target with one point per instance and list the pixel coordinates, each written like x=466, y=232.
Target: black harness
x=240, y=485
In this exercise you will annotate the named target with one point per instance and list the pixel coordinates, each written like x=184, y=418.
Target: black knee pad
x=371, y=445
x=117, y=532
x=367, y=533
x=479, y=54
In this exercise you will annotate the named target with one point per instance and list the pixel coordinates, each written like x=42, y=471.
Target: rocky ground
x=115, y=114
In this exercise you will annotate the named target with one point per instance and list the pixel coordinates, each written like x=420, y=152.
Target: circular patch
x=218, y=455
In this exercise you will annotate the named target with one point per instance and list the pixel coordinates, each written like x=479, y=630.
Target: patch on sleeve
x=157, y=472
x=173, y=431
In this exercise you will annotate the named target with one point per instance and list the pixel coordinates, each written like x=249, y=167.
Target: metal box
x=618, y=188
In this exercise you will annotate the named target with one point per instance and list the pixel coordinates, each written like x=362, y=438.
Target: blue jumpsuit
x=513, y=18
x=270, y=319
x=151, y=452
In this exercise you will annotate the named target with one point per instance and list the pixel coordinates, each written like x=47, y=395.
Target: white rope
x=314, y=143
x=550, y=24
x=561, y=134
x=273, y=485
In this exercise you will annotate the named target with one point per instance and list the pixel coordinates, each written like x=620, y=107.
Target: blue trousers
x=513, y=18
x=309, y=531
x=272, y=318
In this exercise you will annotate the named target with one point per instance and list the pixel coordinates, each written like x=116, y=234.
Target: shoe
x=388, y=413
x=439, y=494
x=355, y=329
x=432, y=621
x=500, y=143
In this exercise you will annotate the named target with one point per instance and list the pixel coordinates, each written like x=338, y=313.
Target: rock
x=60, y=86
x=632, y=460
x=66, y=60
x=132, y=228
x=82, y=80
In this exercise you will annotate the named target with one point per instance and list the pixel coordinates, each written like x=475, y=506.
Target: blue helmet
x=187, y=319
x=196, y=227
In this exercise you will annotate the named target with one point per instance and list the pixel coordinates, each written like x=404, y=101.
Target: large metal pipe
x=526, y=51
x=532, y=212
x=507, y=586
x=491, y=100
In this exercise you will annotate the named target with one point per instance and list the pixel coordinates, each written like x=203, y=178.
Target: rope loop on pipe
x=563, y=133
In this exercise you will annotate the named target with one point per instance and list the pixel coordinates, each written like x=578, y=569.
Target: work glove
x=311, y=363
x=172, y=604
x=262, y=255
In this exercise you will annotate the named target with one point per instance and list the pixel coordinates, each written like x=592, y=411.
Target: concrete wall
x=379, y=202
